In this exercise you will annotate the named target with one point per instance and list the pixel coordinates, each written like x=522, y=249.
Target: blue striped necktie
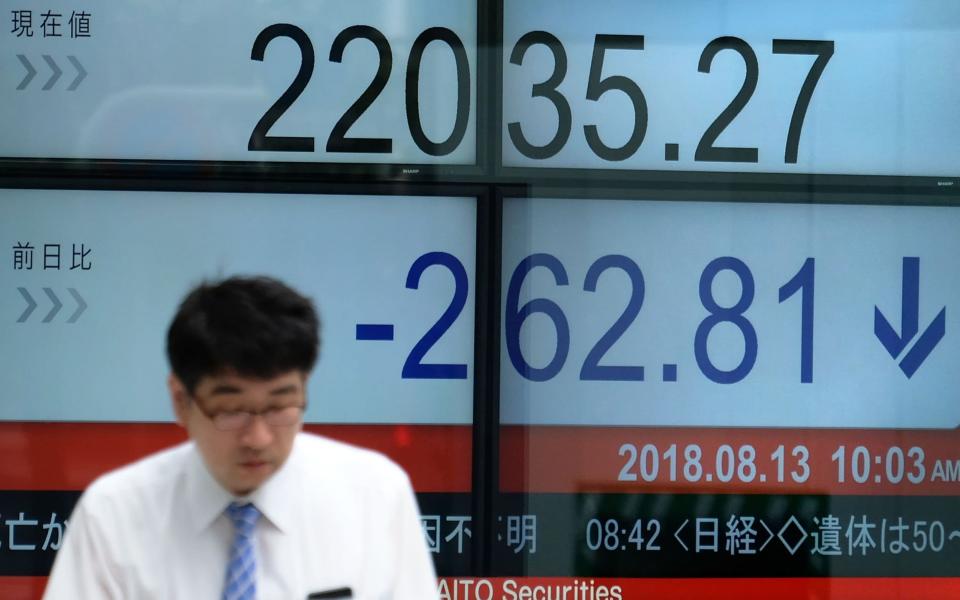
x=241, y=581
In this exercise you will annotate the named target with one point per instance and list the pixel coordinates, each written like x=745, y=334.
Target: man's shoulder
x=143, y=476
x=347, y=462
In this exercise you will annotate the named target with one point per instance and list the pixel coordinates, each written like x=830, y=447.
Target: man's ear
x=179, y=398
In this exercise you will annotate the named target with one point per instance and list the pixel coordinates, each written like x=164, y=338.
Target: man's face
x=241, y=459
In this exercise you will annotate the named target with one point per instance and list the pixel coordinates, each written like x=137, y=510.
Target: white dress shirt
x=334, y=516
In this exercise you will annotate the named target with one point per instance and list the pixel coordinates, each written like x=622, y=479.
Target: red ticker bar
x=501, y=588
x=68, y=456
x=22, y=588
x=568, y=459
x=569, y=588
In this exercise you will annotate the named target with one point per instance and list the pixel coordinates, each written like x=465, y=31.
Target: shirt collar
x=275, y=497
x=204, y=497
x=207, y=499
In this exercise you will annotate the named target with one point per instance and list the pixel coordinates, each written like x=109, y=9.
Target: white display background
x=147, y=249
x=884, y=105
x=176, y=81
x=858, y=250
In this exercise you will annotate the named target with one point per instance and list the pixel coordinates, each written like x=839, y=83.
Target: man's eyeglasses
x=232, y=420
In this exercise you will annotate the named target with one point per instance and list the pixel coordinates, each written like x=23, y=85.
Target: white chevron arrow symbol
x=57, y=305
x=81, y=73
x=31, y=73
x=56, y=72
x=81, y=305
x=31, y=305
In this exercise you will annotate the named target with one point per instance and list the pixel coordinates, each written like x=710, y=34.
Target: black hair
x=256, y=326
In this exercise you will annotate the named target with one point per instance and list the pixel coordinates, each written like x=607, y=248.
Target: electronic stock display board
x=808, y=88
x=374, y=87
x=729, y=396
x=93, y=277
x=373, y=81
x=729, y=399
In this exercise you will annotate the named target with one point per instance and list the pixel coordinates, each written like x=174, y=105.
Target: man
x=250, y=507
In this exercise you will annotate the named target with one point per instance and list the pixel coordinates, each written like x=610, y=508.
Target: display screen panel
x=93, y=278
x=740, y=389
x=853, y=88
x=741, y=399
x=357, y=82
